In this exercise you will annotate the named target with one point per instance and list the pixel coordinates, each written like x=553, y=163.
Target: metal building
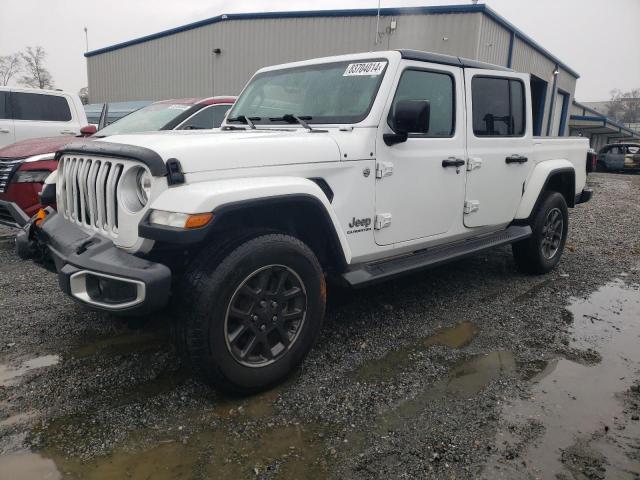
x=218, y=55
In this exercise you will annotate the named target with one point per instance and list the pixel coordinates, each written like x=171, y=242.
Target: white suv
x=31, y=113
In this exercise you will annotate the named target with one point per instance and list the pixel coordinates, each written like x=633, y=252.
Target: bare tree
x=83, y=93
x=625, y=106
x=9, y=66
x=36, y=75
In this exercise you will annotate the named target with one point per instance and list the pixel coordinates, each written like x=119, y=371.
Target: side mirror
x=88, y=130
x=410, y=116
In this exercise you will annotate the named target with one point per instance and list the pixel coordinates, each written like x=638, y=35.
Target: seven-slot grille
x=8, y=166
x=88, y=191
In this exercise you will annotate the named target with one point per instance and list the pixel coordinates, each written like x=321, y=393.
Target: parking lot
x=469, y=370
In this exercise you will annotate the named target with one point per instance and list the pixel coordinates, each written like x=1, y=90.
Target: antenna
x=378, y=25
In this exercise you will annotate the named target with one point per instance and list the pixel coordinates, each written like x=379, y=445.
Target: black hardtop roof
x=449, y=60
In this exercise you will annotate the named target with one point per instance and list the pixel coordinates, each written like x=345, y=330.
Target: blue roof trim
x=597, y=116
x=482, y=8
x=589, y=118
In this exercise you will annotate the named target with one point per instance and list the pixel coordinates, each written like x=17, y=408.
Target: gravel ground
x=411, y=378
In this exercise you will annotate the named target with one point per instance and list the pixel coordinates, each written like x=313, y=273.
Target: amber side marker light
x=198, y=220
x=40, y=216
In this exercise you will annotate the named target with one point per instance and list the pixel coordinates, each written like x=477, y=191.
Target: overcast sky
x=600, y=39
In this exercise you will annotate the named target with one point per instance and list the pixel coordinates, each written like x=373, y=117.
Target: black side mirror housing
x=410, y=116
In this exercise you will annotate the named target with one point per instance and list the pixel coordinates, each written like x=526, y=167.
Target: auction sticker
x=368, y=68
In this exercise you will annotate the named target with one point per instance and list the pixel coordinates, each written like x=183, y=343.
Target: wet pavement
x=471, y=370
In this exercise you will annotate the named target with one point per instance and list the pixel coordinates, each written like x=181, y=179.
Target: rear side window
x=437, y=88
x=4, y=99
x=37, y=106
x=498, y=107
x=207, y=118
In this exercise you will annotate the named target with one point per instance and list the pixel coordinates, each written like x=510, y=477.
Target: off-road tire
x=528, y=253
x=210, y=285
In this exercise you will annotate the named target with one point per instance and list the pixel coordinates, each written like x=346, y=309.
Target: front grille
x=88, y=192
x=8, y=167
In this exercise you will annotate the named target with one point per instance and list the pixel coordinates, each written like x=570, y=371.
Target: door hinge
x=471, y=206
x=383, y=220
x=473, y=163
x=384, y=169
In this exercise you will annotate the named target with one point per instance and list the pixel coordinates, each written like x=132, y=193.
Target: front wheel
x=541, y=252
x=252, y=316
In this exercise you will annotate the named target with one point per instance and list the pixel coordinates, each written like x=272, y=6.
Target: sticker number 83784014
x=368, y=68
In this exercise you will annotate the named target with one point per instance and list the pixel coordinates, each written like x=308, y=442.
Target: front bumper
x=93, y=271
x=12, y=215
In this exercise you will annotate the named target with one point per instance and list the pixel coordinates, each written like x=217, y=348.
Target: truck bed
x=573, y=149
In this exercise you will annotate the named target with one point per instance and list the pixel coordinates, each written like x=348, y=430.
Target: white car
x=31, y=113
x=360, y=167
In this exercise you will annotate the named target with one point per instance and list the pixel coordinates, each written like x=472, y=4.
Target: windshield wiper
x=244, y=119
x=291, y=118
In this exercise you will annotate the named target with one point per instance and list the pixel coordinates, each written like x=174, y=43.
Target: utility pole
x=378, y=25
x=86, y=38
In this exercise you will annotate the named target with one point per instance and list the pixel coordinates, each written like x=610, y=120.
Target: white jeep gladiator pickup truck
x=362, y=167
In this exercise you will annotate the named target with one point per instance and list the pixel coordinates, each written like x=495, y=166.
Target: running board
x=365, y=274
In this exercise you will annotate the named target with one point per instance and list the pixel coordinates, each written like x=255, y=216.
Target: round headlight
x=135, y=189
x=143, y=186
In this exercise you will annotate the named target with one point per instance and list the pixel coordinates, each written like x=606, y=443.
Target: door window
x=207, y=118
x=4, y=100
x=42, y=107
x=438, y=90
x=498, y=107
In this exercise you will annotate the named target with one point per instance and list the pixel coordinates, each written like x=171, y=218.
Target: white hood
x=221, y=150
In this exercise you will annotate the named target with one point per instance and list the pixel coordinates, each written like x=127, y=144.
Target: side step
x=365, y=274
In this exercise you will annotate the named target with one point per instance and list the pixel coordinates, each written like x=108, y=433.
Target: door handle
x=68, y=132
x=516, y=159
x=452, y=162
x=4, y=130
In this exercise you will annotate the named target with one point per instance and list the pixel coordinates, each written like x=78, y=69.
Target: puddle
x=396, y=361
x=576, y=401
x=28, y=466
x=9, y=375
x=19, y=418
x=464, y=380
x=290, y=451
x=134, y=342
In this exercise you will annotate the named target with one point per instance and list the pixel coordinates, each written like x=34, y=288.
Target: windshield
x=148, y=119
x=327, y=93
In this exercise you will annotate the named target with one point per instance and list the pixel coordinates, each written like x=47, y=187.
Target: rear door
x=7, y=135
x=499, y=144
x=42, y=115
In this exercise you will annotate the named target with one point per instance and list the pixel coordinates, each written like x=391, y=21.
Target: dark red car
x=25, y=165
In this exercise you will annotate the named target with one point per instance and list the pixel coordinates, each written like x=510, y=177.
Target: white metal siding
x=493, y=44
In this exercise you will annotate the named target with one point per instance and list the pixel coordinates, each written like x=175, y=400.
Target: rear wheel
x=252, y=316
x=541, y=252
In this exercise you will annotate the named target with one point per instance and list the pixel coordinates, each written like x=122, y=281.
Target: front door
x=417, y=194
x=499, y=145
